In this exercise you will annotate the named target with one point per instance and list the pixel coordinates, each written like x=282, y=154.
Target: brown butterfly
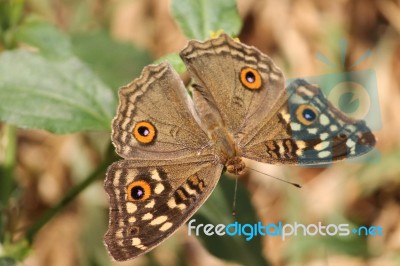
x=176, y=146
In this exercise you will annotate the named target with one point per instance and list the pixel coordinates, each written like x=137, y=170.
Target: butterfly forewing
x=238, y=82
x=155, y=117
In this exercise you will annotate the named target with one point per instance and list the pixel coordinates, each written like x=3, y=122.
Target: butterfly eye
x=250, y=78
x=306, y=114
x=144, y=132
x=138, y=190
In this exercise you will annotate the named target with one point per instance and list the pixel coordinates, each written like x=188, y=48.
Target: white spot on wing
x=131, y=207
x=324, y=154
x=295, y=126
x=159, y=220
x=150, y=204
x=159, y=188
x=136, y=241
x=313, y=130
x=324, y=120
x=350, y=143
x=155, y=175
x=321, y=146
x=172, y=204
x=147, y=216
x=285, y=116
x=324, y=136
x=333, y=128
x=165, y=226
x=301, y=146
x=119, y=234
x=189, y=190
x=131, y=176
x=281, y=147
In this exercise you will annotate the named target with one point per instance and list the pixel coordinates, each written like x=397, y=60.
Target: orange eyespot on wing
x=144, y=132
x=306, y=114
x=138, y=190
x=250, y=78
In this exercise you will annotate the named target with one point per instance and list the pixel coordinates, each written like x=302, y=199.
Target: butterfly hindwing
x=308, y=130
x=149, y=200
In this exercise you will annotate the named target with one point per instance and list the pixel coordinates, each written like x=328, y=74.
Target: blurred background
x=116, y=39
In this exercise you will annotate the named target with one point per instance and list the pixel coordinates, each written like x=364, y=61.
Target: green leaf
x=14, y=251
x=174, y=60
x=8, y=182
x=116, y=63
x=5, y=261
x=59, y=96
x=199, y=18
x=218, y=210
x=50, y=41
x=10, y=13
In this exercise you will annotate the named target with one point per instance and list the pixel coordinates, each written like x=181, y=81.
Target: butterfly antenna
x=288, y=182
x=234, y=198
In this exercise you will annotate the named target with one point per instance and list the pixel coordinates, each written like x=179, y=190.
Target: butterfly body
x=175, y=146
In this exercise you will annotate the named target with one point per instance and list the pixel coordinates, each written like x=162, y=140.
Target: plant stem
x=7, y=168
x=71, y=195
x=7, y=183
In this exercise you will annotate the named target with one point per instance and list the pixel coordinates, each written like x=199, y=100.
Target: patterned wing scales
x=236, y=82
x=149, y=200
x=238, y=88
x=307, y=129
x=156, y=118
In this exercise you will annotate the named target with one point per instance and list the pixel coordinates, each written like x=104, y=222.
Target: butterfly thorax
x=225, y=146
x=227, y=150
